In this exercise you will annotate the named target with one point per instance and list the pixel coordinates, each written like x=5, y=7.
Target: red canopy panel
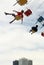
x=28, y=12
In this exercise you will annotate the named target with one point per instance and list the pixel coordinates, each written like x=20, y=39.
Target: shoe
x=5, y=13
x=10, y=22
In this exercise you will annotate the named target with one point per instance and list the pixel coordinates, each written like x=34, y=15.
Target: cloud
x=15, y=39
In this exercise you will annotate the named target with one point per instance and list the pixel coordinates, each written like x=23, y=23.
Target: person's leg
x=12, y=21
x=9, y=14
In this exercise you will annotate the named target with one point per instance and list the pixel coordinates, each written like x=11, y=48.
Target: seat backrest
x=28, y=12
x=40, y=19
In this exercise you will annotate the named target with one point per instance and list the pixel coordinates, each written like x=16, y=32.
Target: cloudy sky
x=15, y=40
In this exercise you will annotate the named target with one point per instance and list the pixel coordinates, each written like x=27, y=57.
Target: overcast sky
x=15, y=40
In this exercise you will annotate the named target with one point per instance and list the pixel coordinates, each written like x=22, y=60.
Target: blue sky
x=15, y=40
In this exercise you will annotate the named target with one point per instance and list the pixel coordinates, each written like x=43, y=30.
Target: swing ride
x=19, y=15
x=28, y=12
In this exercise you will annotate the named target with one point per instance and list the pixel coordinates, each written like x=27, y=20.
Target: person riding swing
x=34, y=29
x=16, y=17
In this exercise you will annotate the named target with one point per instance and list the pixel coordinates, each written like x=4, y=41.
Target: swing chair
x=17, y=17
x=28, y=12
x=20, y=2
x=40, y=19
x=42, y=34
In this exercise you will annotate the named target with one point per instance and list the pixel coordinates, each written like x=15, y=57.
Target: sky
x=15, y=40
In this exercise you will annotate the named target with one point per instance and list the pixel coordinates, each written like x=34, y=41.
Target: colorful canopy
x=21, y=2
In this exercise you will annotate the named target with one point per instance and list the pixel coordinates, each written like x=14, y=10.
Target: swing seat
x=28, y=12
x=22, y=2
x=17, y=17
x=42, y=34
x=40, y=19
x=33, y=31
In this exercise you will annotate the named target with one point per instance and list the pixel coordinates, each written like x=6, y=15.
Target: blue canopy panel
x=40, y=19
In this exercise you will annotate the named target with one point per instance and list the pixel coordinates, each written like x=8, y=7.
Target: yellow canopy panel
x=22, y=2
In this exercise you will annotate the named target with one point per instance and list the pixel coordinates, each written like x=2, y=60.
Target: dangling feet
x=5, y=13
x=10, y=22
